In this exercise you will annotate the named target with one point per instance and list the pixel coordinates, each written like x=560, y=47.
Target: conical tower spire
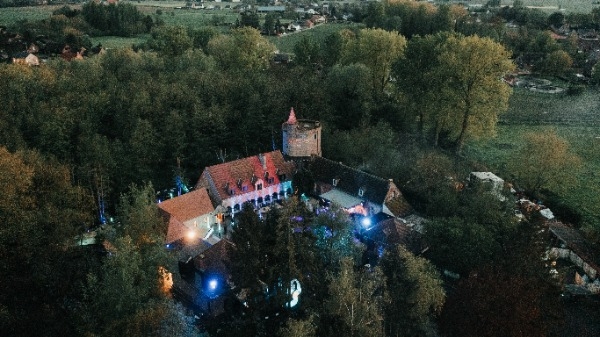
x=292, y=118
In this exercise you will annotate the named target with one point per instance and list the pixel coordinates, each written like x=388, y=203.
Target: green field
x=173, y=15
x=285, y=43
x=575, y=118
x=112, y=42
x=11, y=15
x=575, y=6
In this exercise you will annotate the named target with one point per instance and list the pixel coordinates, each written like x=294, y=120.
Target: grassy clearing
x=531, y=108
x=113, y=42
x=576, y=119
x=318, y=34
x=197, y=18
x=11, y=15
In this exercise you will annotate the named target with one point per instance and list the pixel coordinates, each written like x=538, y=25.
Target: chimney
x=262, y=160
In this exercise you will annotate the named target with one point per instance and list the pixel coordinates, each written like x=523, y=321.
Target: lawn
x=318, y=34
x=113, y=42
x=11, y=15
x=195, y=17
x=549, y=6
x=575, y=118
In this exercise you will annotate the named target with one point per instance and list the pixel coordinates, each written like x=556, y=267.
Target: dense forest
x=399, y=95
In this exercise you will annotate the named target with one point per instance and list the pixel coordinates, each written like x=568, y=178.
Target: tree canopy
x=544, y=161
x=457, y=93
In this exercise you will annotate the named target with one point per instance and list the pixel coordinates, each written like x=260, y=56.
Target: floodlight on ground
x=212, y=284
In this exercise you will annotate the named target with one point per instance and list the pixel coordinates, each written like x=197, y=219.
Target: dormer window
x=335, y=182
x=239, y=183
x=253, y=180
x=266, y=175
x=231, y=191
x=361, y=192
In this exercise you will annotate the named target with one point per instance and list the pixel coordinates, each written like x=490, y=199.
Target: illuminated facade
x=260, y=180
x=189, y=213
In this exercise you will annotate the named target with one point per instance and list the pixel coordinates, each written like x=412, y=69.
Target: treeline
x=128, y=117
x=529, y=41
x=73, y=290
x=118, y=20
x=74, y=26
x=19, y=3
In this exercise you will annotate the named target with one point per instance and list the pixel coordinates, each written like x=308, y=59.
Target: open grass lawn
x=113, y=42
x=196, y=18
x=285, y=43
x=575, y=118
x=10, y=15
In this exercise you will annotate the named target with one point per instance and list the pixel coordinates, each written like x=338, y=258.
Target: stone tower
x=301, y=137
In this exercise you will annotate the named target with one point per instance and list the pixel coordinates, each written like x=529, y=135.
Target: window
x=271, y=180
x=244, y=188
x=258, y=187
x=360, y=192
x=315, y=136
x=231, y=192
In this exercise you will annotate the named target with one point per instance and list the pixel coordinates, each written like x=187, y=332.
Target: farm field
x=574, y=6
x=11, y=15
x=575, y=118
x=171, y=15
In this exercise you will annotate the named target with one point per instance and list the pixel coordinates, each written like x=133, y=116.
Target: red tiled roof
x=188, y=206
x=398, y=206
x=182, y=208
x=175, y=230
x=237, y=174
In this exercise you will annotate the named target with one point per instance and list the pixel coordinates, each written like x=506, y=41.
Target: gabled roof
x=237, y=174
x=175, y=229
x=349, y=180
x=186, y=249
x=188, y=206
x=398, y=206
x=391, y=232
x=183, y=208
x=341, y=198
x=215, y=260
